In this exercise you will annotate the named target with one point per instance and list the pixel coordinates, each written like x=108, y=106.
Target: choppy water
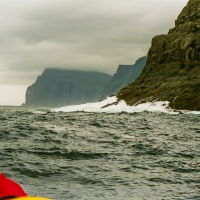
x=102, y=156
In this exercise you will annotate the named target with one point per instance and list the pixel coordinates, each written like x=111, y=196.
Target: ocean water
x=95, y=155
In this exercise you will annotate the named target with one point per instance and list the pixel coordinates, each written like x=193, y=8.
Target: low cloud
x=77, y=34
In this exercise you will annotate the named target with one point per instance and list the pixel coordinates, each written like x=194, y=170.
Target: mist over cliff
x=171, y=73
x=57, y=87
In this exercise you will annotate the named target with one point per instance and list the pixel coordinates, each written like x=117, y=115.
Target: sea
x=146, y=152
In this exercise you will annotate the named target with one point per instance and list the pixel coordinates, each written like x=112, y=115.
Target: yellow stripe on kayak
x=32, y=198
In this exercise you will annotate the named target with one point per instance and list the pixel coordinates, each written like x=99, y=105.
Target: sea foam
x=111, y=105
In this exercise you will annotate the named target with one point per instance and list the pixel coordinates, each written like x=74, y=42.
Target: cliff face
x=172, y=72
x=55, y=88
x=125, y=75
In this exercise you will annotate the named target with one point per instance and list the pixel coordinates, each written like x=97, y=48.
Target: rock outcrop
x=55, y=88
x=172, y=72
x=125, y=75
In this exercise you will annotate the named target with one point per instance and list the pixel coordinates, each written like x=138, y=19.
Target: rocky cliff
x=172, y=72
x=55, y=88
x=125, y=75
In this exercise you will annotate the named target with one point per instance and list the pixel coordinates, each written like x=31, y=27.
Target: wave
x=111, y=105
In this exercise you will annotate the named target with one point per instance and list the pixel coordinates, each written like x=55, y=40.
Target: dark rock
x=56, y=87
x=172, y=72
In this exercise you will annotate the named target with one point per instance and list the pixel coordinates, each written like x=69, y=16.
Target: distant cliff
x=56, y=87
x=125, y=75
x=172, y=72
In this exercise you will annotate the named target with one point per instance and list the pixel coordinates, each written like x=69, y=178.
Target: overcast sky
x=75, y=34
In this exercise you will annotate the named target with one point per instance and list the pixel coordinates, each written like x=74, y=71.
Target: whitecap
x=111, y=105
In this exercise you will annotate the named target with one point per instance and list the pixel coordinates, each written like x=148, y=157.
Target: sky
x=75, y=34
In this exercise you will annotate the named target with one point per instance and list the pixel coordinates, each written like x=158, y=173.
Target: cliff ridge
x=124, y=75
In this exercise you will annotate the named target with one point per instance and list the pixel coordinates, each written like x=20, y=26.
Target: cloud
x=78, y=34
x=9, y=94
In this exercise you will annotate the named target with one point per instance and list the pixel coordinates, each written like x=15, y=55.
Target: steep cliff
x=172, y=72
x=56, y=88
x=125, y=75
